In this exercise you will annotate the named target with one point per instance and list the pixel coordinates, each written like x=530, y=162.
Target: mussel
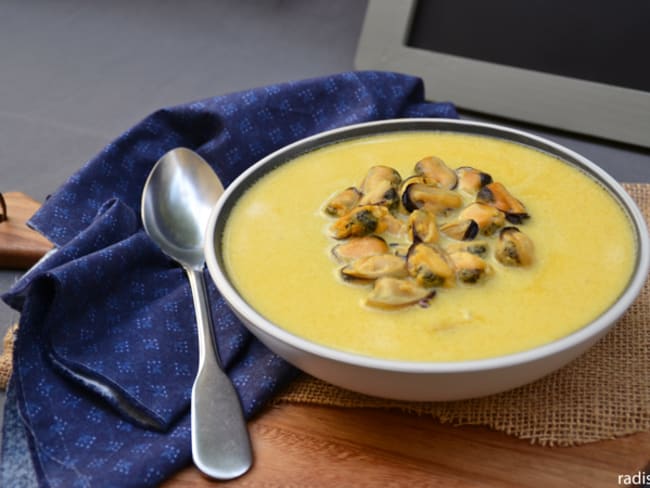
x=514, y=248
x=361, y=221
x=393, y=225
x=396, y=293
x=380, y=187
x=430, y=265
x=461, y=230
x=498, y=196
x=469, y=267
x=377, y=266
x=479, y=248
x=488, y=218
x=422, y=226
x=403, y=255
x=436, y=172
x=436, y=200
x=358, y=247
x=471, y=179
x=344, y=201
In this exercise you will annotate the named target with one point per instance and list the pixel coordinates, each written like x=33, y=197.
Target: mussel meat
x=377, y=266
x=430, y=265
x=361, y=221
x=344, y=201
x=436, y=172
x=498, y=196
x=461, y=230
x=358, y=247
x=394, y=293
x=380, y=187
x=469, y=267
x=514, y=248
x=436, y=200
x=479, y=248
x=422, y=226
x=471, y=179
x=488, y=218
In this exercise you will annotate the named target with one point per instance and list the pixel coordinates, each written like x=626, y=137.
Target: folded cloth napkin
x=106, y=350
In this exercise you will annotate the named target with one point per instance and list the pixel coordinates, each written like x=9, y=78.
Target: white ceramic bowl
x=422, y=381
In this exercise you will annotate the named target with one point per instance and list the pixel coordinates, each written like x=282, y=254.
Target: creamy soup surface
x=277, y=251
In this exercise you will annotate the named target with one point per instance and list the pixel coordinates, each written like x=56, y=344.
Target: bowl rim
x=592, y=330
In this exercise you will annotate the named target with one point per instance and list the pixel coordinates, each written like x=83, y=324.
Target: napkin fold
x=106, y=350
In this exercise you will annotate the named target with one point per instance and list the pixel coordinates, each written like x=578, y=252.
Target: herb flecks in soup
x=276, y=249
x=401, y=235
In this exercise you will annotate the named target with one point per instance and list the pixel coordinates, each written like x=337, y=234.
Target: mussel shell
x=406, y=182
x=516, y=218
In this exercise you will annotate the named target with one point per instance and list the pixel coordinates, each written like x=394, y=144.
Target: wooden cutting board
x=318, y=446
x=20, y=246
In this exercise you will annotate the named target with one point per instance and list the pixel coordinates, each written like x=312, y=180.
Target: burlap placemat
x=6, y=358
x=601, y=395
x=604, y=394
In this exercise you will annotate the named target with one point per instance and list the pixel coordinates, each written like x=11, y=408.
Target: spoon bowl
x=179, y=195
x=177, y=200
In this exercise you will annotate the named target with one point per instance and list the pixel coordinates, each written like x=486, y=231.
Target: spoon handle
x=221, y=446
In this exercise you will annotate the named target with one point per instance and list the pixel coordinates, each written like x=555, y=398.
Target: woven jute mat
x=6, y=359
x=604, y=394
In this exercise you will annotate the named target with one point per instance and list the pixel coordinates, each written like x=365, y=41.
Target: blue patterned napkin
x=106, y=350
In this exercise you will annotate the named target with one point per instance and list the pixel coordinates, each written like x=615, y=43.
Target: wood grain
x=20, y=246
x=315, y=446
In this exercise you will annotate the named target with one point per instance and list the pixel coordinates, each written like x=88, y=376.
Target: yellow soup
x=277, y=252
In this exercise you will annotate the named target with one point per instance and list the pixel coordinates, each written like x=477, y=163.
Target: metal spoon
x=177, y=199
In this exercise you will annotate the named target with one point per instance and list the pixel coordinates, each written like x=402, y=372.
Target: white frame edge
x=585, y=107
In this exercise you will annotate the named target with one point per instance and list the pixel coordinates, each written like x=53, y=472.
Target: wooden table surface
x=314, y=446
x=317, y=446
